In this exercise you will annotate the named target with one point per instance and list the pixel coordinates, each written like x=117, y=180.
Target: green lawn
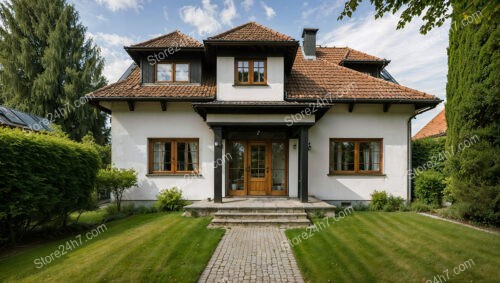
x=143, y=248
x=396, y=247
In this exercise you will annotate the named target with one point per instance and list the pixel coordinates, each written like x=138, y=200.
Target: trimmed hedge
x=429, y=187
x=43, y=179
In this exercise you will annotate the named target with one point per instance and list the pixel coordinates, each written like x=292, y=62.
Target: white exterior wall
x=366, y=121
x=273, y=91
x=130, y=132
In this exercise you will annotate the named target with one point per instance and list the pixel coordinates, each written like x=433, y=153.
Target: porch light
x=308, y=146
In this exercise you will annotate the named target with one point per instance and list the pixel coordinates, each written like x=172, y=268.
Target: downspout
x=408, y=145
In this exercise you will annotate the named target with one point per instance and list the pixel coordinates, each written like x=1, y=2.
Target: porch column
x=303, y=163
x=217, y=169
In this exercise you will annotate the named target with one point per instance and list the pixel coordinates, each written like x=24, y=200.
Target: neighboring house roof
x=435, y=128
x=251, y=31
x=313, y=79
x=339, y=54
x=131, y=87
x=16, y=119
x=173, y=39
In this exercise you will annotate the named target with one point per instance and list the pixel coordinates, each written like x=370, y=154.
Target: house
x=250, y=112
x=435, y=128
x=13, y=118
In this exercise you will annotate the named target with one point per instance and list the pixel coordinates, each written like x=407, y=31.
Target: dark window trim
x=250, y=71
x=356, y=170
x=173, y=72
x=174, y=153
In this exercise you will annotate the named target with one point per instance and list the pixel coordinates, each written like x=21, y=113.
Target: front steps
x=269, y=216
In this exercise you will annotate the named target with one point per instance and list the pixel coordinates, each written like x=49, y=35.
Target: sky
x=417, y=61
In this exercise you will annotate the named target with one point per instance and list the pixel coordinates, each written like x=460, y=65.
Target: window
x=172, y=72
x=250, y=71
x=356, y=156
x=171, y=156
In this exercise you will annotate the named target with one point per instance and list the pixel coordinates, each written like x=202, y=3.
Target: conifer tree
x=48, y=65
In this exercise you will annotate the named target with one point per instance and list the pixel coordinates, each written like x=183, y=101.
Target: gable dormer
x=173, y=58
x=251, y=62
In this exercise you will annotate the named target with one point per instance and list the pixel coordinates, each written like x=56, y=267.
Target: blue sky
x=418, y=61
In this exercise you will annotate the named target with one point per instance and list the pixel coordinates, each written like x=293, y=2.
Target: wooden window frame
x=356, y=170
x=173, y=72
x=174, y=154
x=250, y=71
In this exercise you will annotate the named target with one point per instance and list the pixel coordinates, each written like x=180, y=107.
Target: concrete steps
x=282, y=217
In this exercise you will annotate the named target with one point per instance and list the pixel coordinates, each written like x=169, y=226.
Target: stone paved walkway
x=252, y=254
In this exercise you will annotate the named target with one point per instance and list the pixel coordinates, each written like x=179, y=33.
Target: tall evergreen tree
x=472, y=94
x=47, y=65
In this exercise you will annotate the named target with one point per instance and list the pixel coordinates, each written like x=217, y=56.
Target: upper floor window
x=250, y=71
x=356, y=156
x=172, y=72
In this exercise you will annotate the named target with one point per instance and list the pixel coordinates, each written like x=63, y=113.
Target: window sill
x=251, y=85
x=358, y=174
x=172, y=174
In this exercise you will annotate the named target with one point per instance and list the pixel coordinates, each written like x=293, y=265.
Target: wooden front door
x=258, y=168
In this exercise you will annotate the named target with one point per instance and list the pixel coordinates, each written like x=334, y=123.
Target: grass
x=155, y=247
x=90, y=217
x=396, y=247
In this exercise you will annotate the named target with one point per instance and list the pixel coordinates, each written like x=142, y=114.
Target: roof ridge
x=222, y=34
x=176, y=31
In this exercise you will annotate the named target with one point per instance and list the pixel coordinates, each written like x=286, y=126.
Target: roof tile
x=173, y=39
x=251, y=31
x=435, y=128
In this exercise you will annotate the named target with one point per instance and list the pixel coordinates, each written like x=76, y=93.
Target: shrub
x=379, y=200
x=116, y=181
x=43, y=178
x=420, y=206
x=170, y=200
x=393, y=203
x=429, y=186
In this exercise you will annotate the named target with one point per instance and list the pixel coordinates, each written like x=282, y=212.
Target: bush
x=428, y=154
x=379, y=200
x=383, y=201
x=170, y=200
x=116, y=181
x=429, y=187
x=43, y=179
x=420, y=206
x=393, y=203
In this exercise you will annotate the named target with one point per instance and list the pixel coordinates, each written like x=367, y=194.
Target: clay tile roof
x=321, y=78
x=131, y=87
x=435, y=128
x=173, y=39
x=251, y=31
x=338, y=54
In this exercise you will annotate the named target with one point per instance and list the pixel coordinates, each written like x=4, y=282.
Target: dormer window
x=172, y=72
x=250, y=71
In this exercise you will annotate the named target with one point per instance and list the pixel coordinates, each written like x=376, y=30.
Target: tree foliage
x=116, y=181
x=433, y=13
x=48, y=65
x=43, y=179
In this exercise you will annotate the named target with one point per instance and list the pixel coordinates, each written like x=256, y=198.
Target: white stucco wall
x=130, y=131
x=273, y=91
x=366, y=121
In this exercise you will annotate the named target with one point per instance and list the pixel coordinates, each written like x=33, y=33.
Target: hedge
x=43, y=179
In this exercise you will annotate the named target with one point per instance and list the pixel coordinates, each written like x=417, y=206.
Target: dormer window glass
x=250, y=71
x=172, y=72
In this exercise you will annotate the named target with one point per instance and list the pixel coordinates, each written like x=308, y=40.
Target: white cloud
x=116, y=5
x=111, y=39
x=165, y=13
x=202, y=18
x=323, y=10
x=417, y=61
x=116, y=60
x=247, y=4
x=270, y=13
x=228, y=13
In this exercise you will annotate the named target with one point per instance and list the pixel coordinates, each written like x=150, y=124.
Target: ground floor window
x=356, y=156
x=171, y=156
